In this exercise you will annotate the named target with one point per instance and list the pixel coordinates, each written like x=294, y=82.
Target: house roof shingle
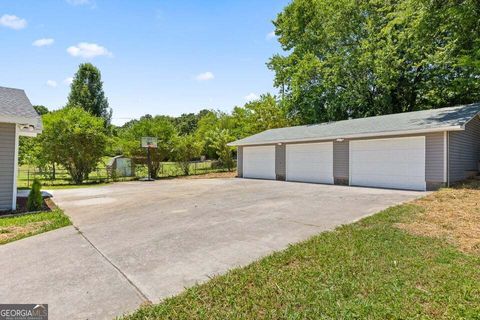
x=15, y=104
x=451, y=118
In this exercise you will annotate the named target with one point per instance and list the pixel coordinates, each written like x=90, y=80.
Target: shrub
x=35, y=199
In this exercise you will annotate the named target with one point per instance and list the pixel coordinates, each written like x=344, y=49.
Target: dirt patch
x=451, y=213
x=212, y=175
x=22, y=205
x=10, y=232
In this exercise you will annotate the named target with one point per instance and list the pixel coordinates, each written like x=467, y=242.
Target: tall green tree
x=261, y=114
x=348, y=58
x=187, y=123
x=75, y=139
x=87, y=92
x=41, y=110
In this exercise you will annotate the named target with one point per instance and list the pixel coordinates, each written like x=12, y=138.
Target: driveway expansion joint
x=142, y=295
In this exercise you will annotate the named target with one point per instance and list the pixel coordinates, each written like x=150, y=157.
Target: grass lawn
x=398, y=264
x=15, y=228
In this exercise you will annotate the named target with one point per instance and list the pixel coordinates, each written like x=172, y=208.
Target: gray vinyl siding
x=341, y=159
x=464, y=150
x=434, y=157
x=280, y=161
x=7, y=164
x=240, y=162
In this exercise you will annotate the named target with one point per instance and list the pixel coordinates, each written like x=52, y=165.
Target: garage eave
x=240, y=143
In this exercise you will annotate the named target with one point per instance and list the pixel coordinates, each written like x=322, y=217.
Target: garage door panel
x=259, y=162
x=310, y=162
x=389, y=163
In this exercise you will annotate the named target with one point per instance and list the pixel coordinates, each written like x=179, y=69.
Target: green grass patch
x=15, y=228
x=366, y=270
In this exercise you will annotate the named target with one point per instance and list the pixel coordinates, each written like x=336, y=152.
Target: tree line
x=77, y=136
x=342, y=59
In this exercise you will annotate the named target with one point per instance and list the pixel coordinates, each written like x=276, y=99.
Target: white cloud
x=68, y=80
x=43, y=42
x=205, y=76
x=270, y=35
x=79, y=2
x=88, y=50
x=51, y=83
x=251, y=97
x=12, y=22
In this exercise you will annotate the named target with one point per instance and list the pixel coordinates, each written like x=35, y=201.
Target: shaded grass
x=15, y=228
x=367, y=270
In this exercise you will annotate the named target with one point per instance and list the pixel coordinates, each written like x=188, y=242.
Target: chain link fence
x=103, y=174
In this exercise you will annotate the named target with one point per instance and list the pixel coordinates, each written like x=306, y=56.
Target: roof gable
x=16, y=107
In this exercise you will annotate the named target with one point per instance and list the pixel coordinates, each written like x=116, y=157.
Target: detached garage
x=421, y=150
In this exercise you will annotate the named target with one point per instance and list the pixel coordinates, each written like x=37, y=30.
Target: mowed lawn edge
x=367, y=270
x=16, y=228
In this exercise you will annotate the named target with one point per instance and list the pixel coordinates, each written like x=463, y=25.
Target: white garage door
x=388, y=163
x=310, y=162
x=259, y=162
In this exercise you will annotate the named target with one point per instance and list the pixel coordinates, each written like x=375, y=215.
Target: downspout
x=448, y=159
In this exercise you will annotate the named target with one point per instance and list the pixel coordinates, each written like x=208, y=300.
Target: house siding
x=434, y=157
x=7, y=164
x=240, y=162
x=280, y=162
x=464, y=150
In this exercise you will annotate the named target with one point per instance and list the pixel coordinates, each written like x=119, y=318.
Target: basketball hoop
x=149, y=143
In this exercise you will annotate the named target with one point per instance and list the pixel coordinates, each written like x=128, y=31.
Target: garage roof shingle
x=451, y=118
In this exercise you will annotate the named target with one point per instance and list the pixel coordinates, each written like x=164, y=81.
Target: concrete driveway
x=137, y=242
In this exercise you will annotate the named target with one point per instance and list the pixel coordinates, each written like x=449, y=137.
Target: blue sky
x=158, y=57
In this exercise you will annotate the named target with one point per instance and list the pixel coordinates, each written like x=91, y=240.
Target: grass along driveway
x=15, y=228
x=380, y=267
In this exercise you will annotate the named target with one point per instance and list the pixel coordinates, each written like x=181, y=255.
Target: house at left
x=17, y=118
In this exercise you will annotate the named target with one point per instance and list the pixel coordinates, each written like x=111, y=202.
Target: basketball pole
x=149, y=161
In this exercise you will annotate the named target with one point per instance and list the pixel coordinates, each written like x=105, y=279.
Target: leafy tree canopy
x=41, y=110
x=348, y=58
x=75, y=139
x=87, y=92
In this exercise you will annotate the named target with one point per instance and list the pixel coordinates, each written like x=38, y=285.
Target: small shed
x=121, y=166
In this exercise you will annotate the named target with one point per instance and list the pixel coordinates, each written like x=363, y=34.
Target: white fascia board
x=353, y=136
x=15, y=170
x=19, y=120
x=28, y=133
